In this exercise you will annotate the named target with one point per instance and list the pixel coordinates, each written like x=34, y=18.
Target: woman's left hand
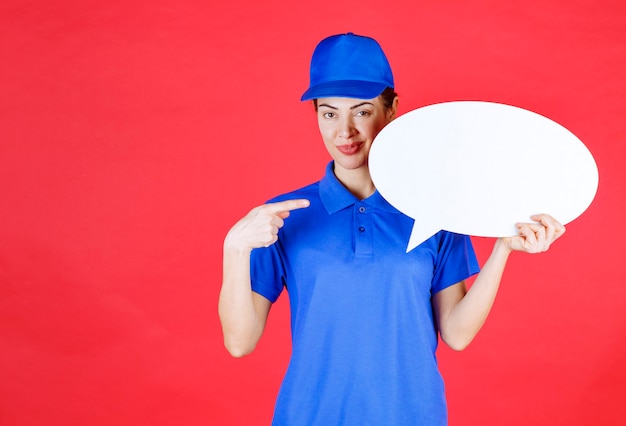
x=535, y=237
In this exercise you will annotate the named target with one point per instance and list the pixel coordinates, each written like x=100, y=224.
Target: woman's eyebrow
x=352, y=107
x=361, y=104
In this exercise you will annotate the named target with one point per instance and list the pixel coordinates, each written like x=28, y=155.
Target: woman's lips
x=349, y=149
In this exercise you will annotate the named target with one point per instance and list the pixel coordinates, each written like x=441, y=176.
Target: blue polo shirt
x=363, y=331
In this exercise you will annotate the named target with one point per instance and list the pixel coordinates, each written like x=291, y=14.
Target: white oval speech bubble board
x=478, y=168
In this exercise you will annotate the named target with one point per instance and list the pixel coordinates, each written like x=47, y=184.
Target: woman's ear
x=391, y=112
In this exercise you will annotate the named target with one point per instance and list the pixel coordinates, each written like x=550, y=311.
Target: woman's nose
x=346, y=127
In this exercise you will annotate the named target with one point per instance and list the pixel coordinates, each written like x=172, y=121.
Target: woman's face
x=349, y=126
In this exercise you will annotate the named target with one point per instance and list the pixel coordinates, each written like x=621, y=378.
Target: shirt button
x=362, y=209
x=361, y=229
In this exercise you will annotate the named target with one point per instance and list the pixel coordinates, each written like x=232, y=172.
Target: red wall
x=134, y=134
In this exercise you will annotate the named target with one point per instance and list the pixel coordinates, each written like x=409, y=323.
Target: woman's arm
x=243, y=313
x=461, y=313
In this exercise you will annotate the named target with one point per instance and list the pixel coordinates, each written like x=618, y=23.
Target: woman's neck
x=357, y=181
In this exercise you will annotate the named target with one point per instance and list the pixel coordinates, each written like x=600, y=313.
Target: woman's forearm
x=242, y=323
x=466, y=317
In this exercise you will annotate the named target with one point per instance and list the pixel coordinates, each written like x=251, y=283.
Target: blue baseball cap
x=348, y=66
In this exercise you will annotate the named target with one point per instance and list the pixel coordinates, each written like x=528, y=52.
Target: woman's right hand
x=259, y=228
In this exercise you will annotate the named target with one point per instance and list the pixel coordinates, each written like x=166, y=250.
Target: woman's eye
x=362, y=113
x=329, y=115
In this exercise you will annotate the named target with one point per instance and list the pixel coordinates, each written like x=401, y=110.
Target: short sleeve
x=267, y=272
x=456, y=261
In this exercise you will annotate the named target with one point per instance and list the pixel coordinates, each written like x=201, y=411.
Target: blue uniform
x=363, y=331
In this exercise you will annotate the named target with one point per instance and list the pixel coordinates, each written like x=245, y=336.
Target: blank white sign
x=477, y=168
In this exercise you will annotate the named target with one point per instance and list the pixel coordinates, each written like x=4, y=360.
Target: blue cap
x=348, y=66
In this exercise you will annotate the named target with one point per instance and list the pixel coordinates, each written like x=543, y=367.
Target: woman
x=365, y=315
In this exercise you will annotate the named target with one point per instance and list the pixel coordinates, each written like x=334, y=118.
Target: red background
x=134, y=134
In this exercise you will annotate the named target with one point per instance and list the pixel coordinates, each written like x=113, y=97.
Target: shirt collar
x=336, y=197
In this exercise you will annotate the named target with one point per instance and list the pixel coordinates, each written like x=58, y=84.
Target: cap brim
x=345, y=89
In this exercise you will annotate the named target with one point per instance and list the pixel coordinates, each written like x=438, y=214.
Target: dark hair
x=386, y=97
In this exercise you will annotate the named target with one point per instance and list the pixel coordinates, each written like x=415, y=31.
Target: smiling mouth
x=349, y=149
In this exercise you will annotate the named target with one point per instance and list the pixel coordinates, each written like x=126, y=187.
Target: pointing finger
x=284, y=207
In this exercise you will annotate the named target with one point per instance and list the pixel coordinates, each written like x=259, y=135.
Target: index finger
x=287, y=205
